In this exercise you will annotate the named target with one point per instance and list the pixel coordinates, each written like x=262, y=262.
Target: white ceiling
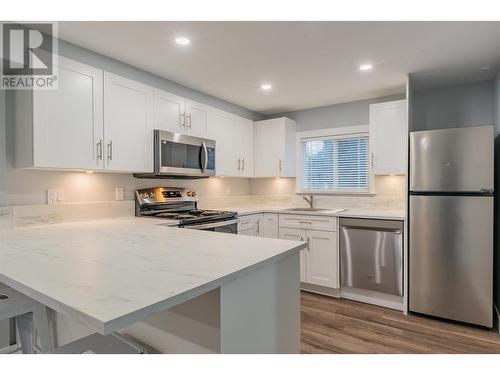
x=310, y=64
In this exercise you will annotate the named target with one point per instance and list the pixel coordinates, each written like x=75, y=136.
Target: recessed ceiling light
x=183, y=41
x=266, y=86
x=483, y=68
x=365, y=67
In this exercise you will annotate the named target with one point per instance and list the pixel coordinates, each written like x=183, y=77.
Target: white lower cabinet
x=293, y=234
x=250, y=225
x=260, y=225
x=319, y=262
x=270, y=225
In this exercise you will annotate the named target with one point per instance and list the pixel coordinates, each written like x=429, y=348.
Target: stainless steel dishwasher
x=371, y=255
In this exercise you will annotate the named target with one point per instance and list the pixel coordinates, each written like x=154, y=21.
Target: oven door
x=226, y=226
x=183, y=155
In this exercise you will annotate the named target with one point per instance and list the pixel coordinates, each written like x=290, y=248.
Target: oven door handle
x=205, y=157
x=213, y=225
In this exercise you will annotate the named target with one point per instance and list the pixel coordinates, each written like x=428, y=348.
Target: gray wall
x=337, y=115
x=86, y=56
x=497, y=189
x=457, y=106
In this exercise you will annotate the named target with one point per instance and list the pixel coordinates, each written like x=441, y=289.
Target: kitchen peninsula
x=178, y=290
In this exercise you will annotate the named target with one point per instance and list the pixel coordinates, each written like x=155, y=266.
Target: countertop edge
x=107, y=327
x=319, y=213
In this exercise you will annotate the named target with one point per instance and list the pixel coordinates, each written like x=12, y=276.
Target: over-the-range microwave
x=181, y=156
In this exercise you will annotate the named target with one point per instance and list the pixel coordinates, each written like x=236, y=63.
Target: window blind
x=335, y=164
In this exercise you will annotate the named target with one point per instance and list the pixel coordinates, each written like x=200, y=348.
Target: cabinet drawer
x=326, y=223
x=248, y=222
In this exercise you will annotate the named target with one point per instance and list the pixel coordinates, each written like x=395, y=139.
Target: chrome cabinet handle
x=372, y=159
x=183, y=120
x=110, y=150
x=239, y=164
x=308, y=241
x=258, y=226
x=305, y=222
x=190, y=121
x=99, y=150
x=243, y=163
x=280, y=165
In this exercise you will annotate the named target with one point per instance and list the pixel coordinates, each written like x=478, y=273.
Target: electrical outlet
x=55, y=196
x=119, y=193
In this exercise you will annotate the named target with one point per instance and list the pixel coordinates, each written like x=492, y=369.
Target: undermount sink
x=309, y=209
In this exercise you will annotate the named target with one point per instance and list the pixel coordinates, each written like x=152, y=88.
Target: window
x=335, y=164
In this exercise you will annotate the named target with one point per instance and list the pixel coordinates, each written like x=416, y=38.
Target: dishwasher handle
x=381, y=229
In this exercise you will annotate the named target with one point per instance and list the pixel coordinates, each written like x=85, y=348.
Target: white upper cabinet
x=128, y=124
x=170, y=112
x=274, y=148
x=389, y=137
x=62, y=128
x=234, y=137
x=197, y=117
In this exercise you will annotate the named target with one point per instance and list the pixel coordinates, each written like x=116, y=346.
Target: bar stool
x=28, y=314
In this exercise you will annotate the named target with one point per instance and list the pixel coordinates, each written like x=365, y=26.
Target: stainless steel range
x=179, y=207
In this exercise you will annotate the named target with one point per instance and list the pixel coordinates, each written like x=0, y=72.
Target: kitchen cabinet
x=169, y=112
x=234, y=137
x=250, y=225
x=274, y=148
x=389, y=137
x=322, y=258
x=270, y=225
x=260, y=225
x=293, y=234
x=62, y=128
x=319, y=262
x=128, y=124
x=197, y=118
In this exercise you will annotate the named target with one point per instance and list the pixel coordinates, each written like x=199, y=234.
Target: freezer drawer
x=371, y=253
x=459, y=160
x=451, y=257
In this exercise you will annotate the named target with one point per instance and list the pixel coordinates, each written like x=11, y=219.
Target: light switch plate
x=55, y=196
x=119, y=193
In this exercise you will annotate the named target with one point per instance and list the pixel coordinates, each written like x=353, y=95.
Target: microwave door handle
x=205, y=157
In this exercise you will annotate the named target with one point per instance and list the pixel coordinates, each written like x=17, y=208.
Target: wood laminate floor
x=331, y=325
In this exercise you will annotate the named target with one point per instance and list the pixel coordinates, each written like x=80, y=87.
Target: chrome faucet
x=310, y=200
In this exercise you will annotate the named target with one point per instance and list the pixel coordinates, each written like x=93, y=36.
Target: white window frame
x=342, y=132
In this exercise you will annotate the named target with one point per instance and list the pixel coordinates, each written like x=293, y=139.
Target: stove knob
x=145, y=195
x=151, y=194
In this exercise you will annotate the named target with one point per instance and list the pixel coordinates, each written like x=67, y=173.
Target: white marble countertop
x=111, y=273
x=355, y=212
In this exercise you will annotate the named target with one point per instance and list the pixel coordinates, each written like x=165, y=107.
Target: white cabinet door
x=389, y=137
x=322, y=258
x=274, y=148
x=244, y=147
x=223, y=130
x=68, y=122
x=128, y=124
x=250, y=225
x=270, y=225
x=197, y=117
x=297, y=235
x=169, y=112
x=234, y=137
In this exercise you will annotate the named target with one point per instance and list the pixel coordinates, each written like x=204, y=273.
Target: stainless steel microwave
x=182, y=156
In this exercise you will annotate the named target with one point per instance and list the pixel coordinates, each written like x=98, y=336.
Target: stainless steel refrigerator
x=451, y=224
